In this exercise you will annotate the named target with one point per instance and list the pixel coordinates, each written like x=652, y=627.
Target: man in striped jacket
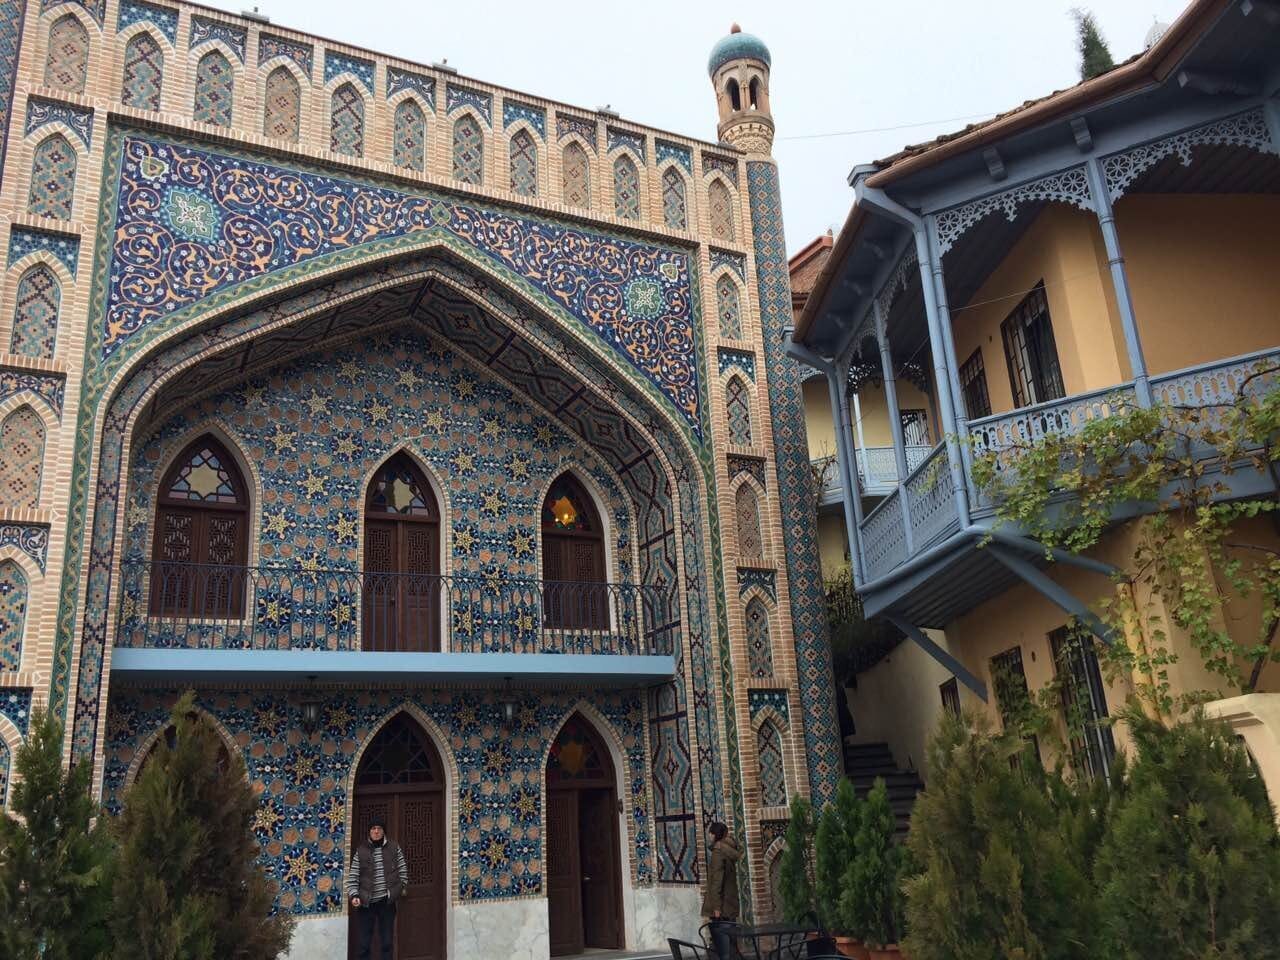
x=376, y=880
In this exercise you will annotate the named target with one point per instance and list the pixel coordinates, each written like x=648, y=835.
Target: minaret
x=739, y=69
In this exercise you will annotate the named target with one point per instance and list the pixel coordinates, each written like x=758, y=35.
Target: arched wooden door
x=401, y=603
x=583, y=866
x=401, y=780
x=576, y=595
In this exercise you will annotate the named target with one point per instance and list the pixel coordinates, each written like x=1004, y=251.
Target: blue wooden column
x=895, y=419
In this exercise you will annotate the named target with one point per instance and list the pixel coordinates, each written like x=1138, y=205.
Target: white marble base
x=662, y=912
x=501, y=928
x=318, y=938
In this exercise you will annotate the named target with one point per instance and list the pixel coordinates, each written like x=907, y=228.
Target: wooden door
x=381, y=562
x=401, y=590
x=598, y=830
x=564, y=874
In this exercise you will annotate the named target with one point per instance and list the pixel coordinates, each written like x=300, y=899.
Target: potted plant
x=869, y=899
x=833, y=850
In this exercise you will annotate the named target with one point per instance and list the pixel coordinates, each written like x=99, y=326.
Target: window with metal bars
x=915, y=428
x=950, y=693
x=973, y=387
x=1084, y=703
x=1030, y=350
x=1013, y=699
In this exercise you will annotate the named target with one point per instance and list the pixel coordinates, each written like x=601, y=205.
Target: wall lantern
x=310, y=708
x=508, y=703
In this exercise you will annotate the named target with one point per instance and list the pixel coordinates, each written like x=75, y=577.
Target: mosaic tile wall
x=12, y=13
x=795, y=481
x=302, y=779
x=316, y=429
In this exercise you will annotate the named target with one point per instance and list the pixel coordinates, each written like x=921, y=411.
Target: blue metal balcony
x=928, y=573
x=877, y=473
x=211, y=622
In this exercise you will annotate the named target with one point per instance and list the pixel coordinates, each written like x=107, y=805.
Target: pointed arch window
x=524, y=164
x=67, y=64
x=759, y=641
x=579, y=759
x=468, y=150
x=346, y=121
x=399, y=755
x=735, y=95
x=21, y=458
x=674, y=209
x=738, y=408
x=747, y=510
x=53, y=178
x=728, y=308
x=282, y=105
x=773, y=778
x=573, y=558
x=401, y=560
x=626, y=188
x=201, y=537
x=410, y=147
x=576, y=171
x=720, y=203
x=13, y=617
x=143, y=73
x=215, y=90
x=168, y=737
x=35, y=316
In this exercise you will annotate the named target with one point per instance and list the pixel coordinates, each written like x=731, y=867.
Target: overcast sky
x=838, y=65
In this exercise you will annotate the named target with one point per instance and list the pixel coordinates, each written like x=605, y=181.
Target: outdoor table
x=770, y=941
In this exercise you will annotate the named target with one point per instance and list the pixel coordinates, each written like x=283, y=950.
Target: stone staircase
x=864, y=762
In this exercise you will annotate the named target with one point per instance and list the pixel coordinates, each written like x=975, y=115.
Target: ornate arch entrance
x=401, y=780
x=583, y=865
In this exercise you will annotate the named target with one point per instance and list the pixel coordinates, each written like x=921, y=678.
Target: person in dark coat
x=376, y=881
x=720, y=896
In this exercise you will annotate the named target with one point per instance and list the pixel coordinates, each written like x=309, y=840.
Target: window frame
x=1031, y=351
x=973, y=387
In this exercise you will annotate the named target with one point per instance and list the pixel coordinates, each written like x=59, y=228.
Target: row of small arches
x=67, y=68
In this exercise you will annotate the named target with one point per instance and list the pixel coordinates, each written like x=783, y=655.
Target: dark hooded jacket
x=721, y=892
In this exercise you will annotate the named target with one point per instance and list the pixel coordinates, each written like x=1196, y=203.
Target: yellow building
x=1111, y=246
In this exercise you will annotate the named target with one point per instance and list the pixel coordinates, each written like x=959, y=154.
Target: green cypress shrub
x=833, y=849
x=1190, y=865
x=188, y=885
x=996, y=876
x=796, y=866
x=55, y=856
x=1095, y=55
x=869, y=902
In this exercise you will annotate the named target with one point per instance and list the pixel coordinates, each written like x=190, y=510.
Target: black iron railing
x=277, y=608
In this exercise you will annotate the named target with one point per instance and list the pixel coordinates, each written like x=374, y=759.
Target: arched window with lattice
x=35, y=315
x=346, y=121
x=675, y=213
x=728, y=308
x=410, y=137
x=13, y=616
x=143, y=73
x=747, y=511
x=524, y=164
x=66, y=65
x=759, y=640
x=626, y=188
x=574, y=570
x=468, y=150
x=282, y=105
x=53, y=178
x=576, y=172
x=215, y=90
x=738, y=409
x=773, y=776
x=720, y=204
x=201, y=538
x=21, y=459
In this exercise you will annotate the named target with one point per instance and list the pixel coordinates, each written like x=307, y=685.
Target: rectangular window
x=1084, y=703
x=1013, y=699
x=915, y=428
x=950, y=692
x=1031, y=353
x=973, y=387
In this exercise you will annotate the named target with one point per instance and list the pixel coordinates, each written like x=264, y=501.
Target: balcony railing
x=179, y=605
x=930, y=506
x=877, y=471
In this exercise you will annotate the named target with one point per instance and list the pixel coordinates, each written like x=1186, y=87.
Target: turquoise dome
x=737, y=46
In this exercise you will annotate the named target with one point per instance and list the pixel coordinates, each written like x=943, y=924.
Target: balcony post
x=862, y=443
x=837, y=379
x=891, y=392
x=1119, y=280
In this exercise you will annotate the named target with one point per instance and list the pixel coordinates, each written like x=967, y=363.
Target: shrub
x=833, y=850
x=796, y=867
x=869, y=902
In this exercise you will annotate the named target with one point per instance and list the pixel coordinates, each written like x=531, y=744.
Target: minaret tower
x=739, y=69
